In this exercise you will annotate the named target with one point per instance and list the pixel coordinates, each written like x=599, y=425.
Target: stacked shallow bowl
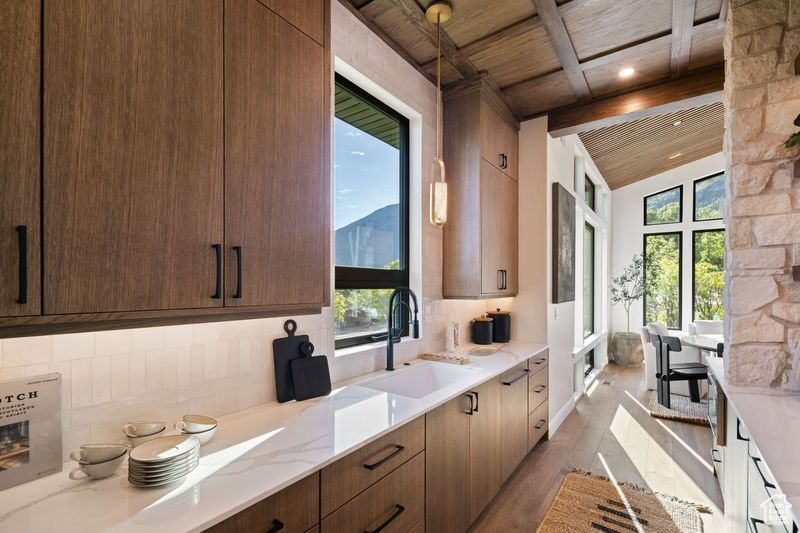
x=162, y=461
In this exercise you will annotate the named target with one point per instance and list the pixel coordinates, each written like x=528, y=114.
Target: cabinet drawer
x=294, y=509
x=537, y=389
x=539, y=362
x=394, y=504
x=537, y=425
x=350, y=475
x=419, y=527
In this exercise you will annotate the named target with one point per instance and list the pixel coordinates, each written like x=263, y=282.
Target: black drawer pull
x=755, y=522
x=373, y=466
x=238, y=250
x=739, y=433
x=277, y=525
x=471, y=404
x=539, y=424
x=389, y=520
x=767, y=484
x=539, y=389
x=505, y=279
x=499, y=280
x=539, y=361
x=218, y=283
x=714, y=457
x=22, y=237
x=524, y=373
x=477, y=401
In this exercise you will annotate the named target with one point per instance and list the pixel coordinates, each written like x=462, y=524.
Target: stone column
x=762, y=98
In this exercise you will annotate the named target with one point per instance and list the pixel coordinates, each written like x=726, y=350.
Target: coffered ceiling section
x=631, y=151
x=547, y=55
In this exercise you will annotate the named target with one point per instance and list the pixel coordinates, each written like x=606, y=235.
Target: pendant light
x=437, y=13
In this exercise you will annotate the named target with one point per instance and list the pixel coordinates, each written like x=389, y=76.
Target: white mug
x=195, y=424
x=98, y=453
x=97, y=471
x=144, y=429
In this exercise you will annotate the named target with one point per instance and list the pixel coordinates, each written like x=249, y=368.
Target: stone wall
x=762, y=96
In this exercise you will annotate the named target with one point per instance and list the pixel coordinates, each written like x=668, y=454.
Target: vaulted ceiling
x=563, y=57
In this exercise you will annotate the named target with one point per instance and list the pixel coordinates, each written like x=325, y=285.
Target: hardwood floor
x=610, y=431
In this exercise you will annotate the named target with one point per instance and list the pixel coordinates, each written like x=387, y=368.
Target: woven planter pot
x=627, y=349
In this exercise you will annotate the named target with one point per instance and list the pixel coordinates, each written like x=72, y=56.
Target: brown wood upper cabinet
x=133, y=173
x=276, y=185
x=480, y=237
x=306, y=15
x=19, y=158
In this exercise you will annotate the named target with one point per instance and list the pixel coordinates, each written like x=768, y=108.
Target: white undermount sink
x=420, y=380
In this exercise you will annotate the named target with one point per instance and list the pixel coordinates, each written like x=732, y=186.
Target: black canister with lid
x=482, y=330
x=501, y=325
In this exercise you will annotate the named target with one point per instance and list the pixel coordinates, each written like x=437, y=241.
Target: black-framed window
x=665, y=207
x=371, y=250
x=708, y=274
x=708, y=194
x=588, y=280
x=589, y=192
x=663, y=277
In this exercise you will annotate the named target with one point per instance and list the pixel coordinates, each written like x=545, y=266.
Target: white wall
x=627, y=229
x=544, y=161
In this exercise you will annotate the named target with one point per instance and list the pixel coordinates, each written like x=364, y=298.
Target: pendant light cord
x=438, y=86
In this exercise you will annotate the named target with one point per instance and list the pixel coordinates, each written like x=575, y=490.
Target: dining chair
x=667, y=372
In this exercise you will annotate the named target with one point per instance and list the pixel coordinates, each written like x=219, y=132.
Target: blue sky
x=366, y=173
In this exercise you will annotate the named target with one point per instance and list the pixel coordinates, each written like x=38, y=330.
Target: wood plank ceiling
x=631, y=151
x=547, y=56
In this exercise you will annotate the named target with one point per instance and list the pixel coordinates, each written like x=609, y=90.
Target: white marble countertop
x=704, y=342
x=254, y=454
x=773, y=424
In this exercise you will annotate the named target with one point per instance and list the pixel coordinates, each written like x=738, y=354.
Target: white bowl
x=98, y=470
x=202, y=436
x=98, y=453
x=144, y=429
x=136, y=440
x=195, y=424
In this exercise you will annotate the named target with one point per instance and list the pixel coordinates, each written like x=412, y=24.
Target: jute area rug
x=681, y=408
x=589, y=502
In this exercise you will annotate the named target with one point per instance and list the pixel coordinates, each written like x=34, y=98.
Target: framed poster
x=563, y=245
x=30, y=429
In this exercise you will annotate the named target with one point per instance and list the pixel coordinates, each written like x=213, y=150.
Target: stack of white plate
x=163, y=460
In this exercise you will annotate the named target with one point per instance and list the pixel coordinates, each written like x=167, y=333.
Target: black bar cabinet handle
x=524, y=373
x=714, y=457
x=218, y=253
x=477, y=401
x=238, y=250
x=755, y=522
x=739, y=433
x=500, y=280
x=767, y=484
x=389, y=520
x=471, y=404
x=505, y=279
x=539, y=389
x=539, y=424
x=22, y=237
x=373, y=466
x=277, y=525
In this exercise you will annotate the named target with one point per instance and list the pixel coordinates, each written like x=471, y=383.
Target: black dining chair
x=667, y=372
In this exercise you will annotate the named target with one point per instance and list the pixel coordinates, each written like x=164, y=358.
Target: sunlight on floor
x=654, y=463
x=622, y=496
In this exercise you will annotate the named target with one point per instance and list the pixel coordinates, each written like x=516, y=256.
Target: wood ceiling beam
x=374, y=28
x=416, y=16
x=559, y=38
x=682, y=30
x=723, y=11
x=691, y=91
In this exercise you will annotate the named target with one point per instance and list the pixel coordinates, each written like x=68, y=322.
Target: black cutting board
x=284, y=350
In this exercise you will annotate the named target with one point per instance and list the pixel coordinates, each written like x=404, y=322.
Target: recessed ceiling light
x=627, y=72
x=677, y=123
x=673, y=156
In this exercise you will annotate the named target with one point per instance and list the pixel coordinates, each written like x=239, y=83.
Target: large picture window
x=662, y=272
x=708, y=195
x=664, y=207
x=708, y=274
x=370, y=213
x=588, y=280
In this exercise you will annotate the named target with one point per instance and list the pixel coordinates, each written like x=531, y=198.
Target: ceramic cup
x=202, y=436
x=98, y=453
x=136, y=441
x=98, y=470
x=195, y=424
x=144, y=429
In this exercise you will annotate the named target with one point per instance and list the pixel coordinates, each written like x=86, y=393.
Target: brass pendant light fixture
x=437, y=13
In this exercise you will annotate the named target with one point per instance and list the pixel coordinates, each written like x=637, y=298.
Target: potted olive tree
x=628, y=287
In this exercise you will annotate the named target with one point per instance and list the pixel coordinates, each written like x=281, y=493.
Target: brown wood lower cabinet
x=394, y=504
x=484, y=448
x=537, y=425
x=294, y=509
x=513, y=419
